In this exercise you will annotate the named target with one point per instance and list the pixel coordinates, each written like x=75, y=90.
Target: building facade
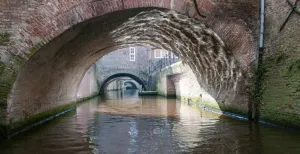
x=138, y=61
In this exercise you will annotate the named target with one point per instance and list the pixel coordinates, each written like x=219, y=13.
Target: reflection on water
x=122, y=122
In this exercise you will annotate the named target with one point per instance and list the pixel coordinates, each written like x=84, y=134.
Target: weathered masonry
x=46, y=46
x=88, y=86
x=118, y=64
x=179, y=80
x=136, y=78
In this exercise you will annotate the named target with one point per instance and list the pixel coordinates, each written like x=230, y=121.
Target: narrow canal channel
x=122, y=122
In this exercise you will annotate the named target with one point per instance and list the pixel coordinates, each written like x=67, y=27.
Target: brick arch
x=106, y=75
x=56, y=26
x=136, y=78
x=132, y=85
x=52, y=17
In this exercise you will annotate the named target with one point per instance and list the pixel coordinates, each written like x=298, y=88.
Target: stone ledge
x=16, y=128
x=235, y=113
x=81, y=100
x=215, y=107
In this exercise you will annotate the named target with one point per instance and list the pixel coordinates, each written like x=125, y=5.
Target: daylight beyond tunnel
x=52, y=76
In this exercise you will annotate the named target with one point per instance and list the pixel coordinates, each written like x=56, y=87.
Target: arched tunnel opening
x=131, y=68
x=126, y=79
x=130, y=85
x=221, y=73
x=67, y=57
x=59, y=56
x=126, y=83
x=120, y=87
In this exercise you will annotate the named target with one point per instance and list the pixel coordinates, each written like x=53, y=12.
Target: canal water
x=122, y=122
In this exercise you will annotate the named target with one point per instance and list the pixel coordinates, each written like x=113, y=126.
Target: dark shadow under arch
x=133, y=85
x=137, y=79
x=67, y=57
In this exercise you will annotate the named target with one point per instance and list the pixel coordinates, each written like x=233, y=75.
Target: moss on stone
x=8, y=76
x=197, y=102
x=4, y=38
x=2, y=67
x=234, y=110
x=9, y=72
x=7, y=79
x=13, y=128
x=17, y=63
x=17, y=126
x=33, y=50
x=8, y=130
x=281, y=95
x=81, y=100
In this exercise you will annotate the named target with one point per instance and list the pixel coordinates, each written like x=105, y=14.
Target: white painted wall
x=185, y=81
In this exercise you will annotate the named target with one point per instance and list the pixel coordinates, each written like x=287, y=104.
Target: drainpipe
x=259, y=56
x=262, y=24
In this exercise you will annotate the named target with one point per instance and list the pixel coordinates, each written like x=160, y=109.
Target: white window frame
x=165, y=54
x=160, y=53
x=157, y=53
x=132, y=54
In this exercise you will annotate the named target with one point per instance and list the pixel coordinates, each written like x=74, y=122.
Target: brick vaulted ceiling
x=56, y=41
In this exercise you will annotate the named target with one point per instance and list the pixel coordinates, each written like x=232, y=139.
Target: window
x=164, y=54
x=157, y=53
x=132, y=54
x=170, y=55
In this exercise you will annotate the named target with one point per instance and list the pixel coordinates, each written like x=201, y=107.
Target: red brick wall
x=34, y=24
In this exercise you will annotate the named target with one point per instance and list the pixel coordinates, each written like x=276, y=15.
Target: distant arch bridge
x=104, y=81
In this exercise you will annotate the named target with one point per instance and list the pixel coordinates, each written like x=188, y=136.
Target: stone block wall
x=187, y=87
x=118, y=62
x=281, y=80
x=170, y=86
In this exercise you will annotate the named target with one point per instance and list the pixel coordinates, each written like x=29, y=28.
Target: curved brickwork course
x=214, y=64
x=52, y=43
x=105, y=81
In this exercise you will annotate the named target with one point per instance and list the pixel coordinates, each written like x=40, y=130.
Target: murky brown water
x=125, y=123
